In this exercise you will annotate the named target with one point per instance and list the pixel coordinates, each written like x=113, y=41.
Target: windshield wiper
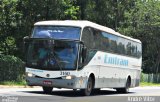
x=57, y=60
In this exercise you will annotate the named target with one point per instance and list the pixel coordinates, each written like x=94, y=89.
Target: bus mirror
x=84, y=53
x=26, y=40
x=81, y=42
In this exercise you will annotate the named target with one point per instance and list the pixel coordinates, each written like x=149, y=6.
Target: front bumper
x=76, y=83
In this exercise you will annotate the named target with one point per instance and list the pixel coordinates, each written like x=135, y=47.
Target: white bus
x=81, y=55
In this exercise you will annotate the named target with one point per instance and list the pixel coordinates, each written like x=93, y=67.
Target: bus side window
x=134, y=49
x=87, y=37
x=121, y=46
x=128, y=48
x=139, y=50
x=98, y=40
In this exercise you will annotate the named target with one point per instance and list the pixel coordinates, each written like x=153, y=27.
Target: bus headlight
x=68, y=77
x=29, y=74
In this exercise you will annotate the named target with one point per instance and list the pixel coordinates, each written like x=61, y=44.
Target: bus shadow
x=70, y=93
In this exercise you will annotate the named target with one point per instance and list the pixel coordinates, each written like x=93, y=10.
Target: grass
x=149, y=84
x=13, y=83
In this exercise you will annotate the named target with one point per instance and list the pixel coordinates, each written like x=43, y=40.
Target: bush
x=11, y=68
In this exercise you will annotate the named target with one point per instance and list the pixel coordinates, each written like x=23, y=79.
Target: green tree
x=71, y=10
x=105, y=12
x=143, y=22
x=8, y=23
x=18, y=16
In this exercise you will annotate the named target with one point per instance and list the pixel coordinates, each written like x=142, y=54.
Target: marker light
x=68, y=77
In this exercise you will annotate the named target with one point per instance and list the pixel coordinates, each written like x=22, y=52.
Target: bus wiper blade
x=57, y=61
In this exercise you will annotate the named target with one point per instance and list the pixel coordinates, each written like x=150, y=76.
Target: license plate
x=47, y=82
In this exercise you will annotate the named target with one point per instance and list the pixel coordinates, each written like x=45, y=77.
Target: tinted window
x=128, y=48
x=87, y=37
x=56, y=32
x=52, y=54
x=111, y=43
x=98, y=39
x=134, y=49
x=121, y=46
x=139, y=50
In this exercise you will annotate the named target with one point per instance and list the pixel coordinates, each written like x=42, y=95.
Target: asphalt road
x=139, y=94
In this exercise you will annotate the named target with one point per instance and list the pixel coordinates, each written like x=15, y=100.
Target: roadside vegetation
x=143, y=84
x=14, y=83
x=139, y=19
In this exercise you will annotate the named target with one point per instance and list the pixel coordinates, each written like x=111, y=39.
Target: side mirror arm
x=25, y=42
x=84, y=53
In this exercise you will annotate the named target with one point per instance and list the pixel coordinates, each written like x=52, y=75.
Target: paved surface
x=139, y=94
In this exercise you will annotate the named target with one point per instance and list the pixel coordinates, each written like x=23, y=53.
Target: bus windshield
x=52, y=54
x=56, y=32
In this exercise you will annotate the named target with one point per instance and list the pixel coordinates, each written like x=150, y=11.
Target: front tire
x=47, y=90
x=96, y=90
x=88, y=90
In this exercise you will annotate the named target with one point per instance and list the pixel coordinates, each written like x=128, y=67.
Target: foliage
x=71, y=11
x=13, y=83
x=11, y=68
x=109, y=13
x=149, y=84
x=136, y=18
x=150, y=78
x=8, y=26
x=143, y=22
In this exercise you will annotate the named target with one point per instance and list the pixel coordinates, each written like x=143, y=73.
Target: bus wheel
x=74, y=90
x=87, y=91
x=96, y=90
x=47, y=90
x=126, y=89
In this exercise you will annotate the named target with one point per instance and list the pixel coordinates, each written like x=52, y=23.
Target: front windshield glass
x=52, y=55
x=56, y=32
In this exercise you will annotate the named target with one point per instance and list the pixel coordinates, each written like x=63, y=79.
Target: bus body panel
x=113, y=73
x=110, y=70
x=106, y=75
x=56, y=79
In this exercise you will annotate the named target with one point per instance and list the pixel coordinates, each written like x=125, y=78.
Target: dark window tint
x=96, y=39
x=88, y=38
x=128, y=48
x=56, y=32
x=52, y=54
x=139, y=50
x=121, y=46
x=110, y=42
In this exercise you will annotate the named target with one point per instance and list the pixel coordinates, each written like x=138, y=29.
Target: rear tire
x=74, y=90
x=88, y=90
x=97, y=90
x=125, y=89
x=47, y=90
x=122, y=90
